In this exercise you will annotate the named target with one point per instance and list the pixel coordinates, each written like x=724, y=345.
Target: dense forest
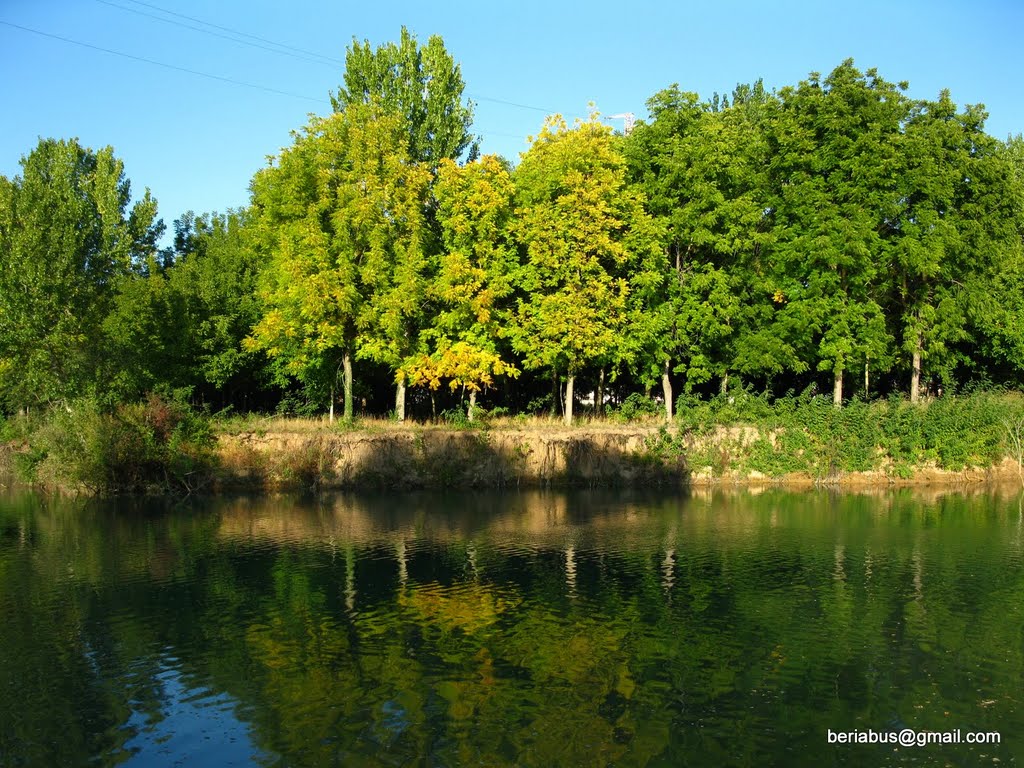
x=833, y=236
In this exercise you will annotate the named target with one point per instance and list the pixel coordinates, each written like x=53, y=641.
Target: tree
x=179, y=320
x=66, y=235
x=582, y=231
x=421, y=84
x=952, y=227
x=996, y=309
x=834, y=150
x=471, y=280
x=309, y=286
x=340, y=220
x=384, y=220
x=698, y=165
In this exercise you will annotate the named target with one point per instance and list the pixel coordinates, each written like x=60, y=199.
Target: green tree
x=309, y=286
x=834, y=157
x=954, y=225
x=340, y=220
x=699, y=167
x=583, y=231
x=147, y=335
x=421, y=84
x=996, y=311
x=178, y=321
x=66, y=234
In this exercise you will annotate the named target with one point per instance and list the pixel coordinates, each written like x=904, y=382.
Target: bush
x=457, y=418
x=636, y=407
x=807, y=434
x=160, y=445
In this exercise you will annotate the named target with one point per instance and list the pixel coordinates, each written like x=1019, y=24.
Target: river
x=514, y=629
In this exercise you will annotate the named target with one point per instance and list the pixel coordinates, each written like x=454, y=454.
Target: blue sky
x=196, y=141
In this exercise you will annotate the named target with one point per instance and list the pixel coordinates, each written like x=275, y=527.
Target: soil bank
x=432, y=457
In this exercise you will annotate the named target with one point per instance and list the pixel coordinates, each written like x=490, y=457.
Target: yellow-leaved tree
x=472, y=280
x=584, y=239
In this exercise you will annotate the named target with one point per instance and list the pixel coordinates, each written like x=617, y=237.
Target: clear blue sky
x=195, y=141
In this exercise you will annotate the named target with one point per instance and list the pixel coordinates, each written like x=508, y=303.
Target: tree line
x=834, y=233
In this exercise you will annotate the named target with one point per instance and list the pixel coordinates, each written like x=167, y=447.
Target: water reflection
x=518, y=629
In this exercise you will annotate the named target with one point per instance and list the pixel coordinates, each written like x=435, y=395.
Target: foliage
x=701, y=170
x=797, y=238
x=340, y=220
x=635, y=407
x=585, y=240
x=420, y=84
x=159, y=445
x=832, y=175
x=66, y=235
x=471, y=280
x=806, y=434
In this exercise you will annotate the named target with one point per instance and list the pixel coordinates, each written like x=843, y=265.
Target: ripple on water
x=548, y=630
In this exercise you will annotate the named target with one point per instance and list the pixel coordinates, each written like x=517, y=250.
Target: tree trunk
x=470, y=413
x=568, y=399
x=346, y=367
x=599, y=405
x=915, y=373
x=837, y=389
x=723, y=387
x=666, y=386
x=330, y=412
x=867, y=380
x=555, y=394
x=400, y=399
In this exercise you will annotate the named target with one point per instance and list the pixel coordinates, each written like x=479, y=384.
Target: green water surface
x=516, y=629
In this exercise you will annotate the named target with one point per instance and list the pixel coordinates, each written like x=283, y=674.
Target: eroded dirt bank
x=440, y=458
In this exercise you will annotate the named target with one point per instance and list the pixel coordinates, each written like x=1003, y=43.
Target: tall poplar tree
x=422, y=85
x=66, y=235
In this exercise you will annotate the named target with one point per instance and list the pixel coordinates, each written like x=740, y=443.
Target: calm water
x=532, y=629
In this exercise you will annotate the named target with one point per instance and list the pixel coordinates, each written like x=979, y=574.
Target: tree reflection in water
x=519, y=629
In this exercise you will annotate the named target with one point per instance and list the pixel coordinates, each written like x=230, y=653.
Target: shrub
x=160, y=445
x=457, y=418
x=635, y=407
x=806, y=433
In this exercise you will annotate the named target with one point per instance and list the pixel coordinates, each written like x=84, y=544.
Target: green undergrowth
x=160, y=445
x=745, y=432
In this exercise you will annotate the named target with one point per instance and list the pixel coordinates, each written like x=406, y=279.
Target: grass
x=263, y=424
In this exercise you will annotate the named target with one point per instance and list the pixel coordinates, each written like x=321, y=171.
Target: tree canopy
x=834, y=235
x=67, y=233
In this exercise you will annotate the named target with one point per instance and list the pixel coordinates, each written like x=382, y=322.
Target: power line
x=162, y=64
x=238, y=32
x=220, y=78
x=301, y=57
x=511, y=104
x=317, y=58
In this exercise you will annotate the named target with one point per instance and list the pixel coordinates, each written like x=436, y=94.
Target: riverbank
x=741, y=440
x=615, y=455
